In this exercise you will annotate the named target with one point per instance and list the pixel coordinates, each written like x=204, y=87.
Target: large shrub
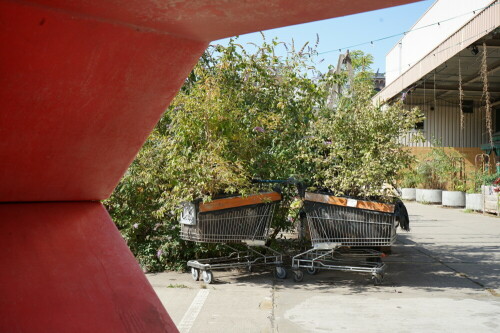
x=354, y=148
x=239, y=116
x=442, y=170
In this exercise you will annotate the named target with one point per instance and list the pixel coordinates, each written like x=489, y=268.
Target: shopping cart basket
x=232, y=220
x=342, y=230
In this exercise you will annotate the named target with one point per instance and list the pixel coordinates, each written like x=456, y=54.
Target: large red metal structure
x=83, y=83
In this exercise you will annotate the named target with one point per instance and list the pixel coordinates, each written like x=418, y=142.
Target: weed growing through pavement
x=177, y=286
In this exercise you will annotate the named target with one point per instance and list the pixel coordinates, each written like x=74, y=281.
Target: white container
x=490, y=199
x=474, y=201
x=453, y=198
x=429, y=196
x=408, y=193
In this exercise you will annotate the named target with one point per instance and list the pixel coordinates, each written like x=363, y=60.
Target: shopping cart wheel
x=377, y=279
x=195, y=273
x=207, y=276
x=280, y=272
x=298, y=276
x=311, y=270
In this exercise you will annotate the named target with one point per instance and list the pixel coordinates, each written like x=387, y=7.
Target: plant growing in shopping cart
x=353, y=148
x=239, y=116
x=351, y=152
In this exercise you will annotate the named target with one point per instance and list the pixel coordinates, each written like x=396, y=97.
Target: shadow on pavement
x=429, y=267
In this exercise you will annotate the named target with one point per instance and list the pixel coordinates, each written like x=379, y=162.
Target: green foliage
x=240, y=119
x=474, y=182
x=354, y=149
x=239, y=116
x=177, y=286
x=409, y=178
x=442, y=170
x=428, y=175
x=489, y=179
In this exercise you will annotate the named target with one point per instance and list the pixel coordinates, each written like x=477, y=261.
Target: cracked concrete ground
x=443, y=276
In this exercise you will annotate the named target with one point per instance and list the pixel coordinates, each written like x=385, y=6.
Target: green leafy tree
x=354, y=148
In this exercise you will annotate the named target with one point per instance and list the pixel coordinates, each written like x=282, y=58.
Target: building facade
x=440, y=66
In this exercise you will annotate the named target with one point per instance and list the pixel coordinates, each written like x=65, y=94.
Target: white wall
x=419, y=42
x=443, y=124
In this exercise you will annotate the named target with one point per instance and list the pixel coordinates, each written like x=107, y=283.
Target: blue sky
x=349, y=30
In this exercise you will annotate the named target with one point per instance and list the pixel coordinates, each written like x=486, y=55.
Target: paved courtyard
x=443, y=276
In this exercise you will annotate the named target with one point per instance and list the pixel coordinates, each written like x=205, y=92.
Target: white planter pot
x=474, y=201
x=490, y=199
x=488, y=190
x=429, y=196
x=454, y=198
x=408, y=193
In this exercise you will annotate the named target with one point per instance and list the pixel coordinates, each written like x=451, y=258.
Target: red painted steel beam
x=65, y=268
x=214, y=19
x=79, y=98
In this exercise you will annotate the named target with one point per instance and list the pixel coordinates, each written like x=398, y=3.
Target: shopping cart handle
x=276, y=181
x=301, y=188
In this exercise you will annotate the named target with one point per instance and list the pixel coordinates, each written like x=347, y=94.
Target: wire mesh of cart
x=232, y=220
x=342, y=230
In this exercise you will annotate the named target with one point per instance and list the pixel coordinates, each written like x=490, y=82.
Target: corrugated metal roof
x=482, y=24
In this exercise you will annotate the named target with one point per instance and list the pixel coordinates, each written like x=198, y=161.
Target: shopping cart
x=232, y=220
x=343, y=233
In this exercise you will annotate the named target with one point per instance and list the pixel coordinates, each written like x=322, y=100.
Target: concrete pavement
x=443, y=276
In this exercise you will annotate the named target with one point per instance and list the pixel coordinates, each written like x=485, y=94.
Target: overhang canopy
x=437, y=74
